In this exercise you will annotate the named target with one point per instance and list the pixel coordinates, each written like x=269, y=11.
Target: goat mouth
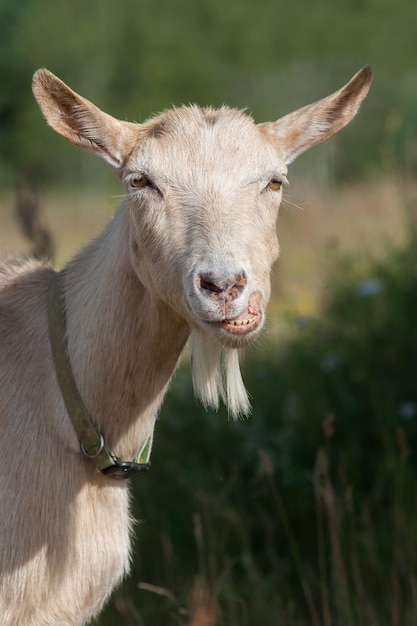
x=240, y=327
x=243, y=324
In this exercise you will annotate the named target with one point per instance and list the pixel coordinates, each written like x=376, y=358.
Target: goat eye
x=140, y=181
x=275, y=184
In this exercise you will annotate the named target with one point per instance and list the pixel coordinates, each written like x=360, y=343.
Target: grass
x=313, y=224
x=73, y=218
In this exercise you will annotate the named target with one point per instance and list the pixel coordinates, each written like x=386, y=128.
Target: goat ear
x=296, y=132
x=81, y=122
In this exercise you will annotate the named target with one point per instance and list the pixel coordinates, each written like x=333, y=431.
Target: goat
x=189, y=251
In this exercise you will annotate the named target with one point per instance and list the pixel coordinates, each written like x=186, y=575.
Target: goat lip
x=242, y=324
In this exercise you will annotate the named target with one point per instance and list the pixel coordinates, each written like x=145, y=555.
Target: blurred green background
x=304, y=514
x=136, y=57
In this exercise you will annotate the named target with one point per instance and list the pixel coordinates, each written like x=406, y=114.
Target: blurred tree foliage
x=136, y=57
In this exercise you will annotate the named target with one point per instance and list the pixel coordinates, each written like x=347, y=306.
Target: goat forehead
x=190, y=121
x=186, y=140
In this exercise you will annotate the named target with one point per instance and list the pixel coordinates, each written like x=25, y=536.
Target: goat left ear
x=296, y=132
x=81, y=122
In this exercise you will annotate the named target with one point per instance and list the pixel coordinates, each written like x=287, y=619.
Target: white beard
x=216, y=374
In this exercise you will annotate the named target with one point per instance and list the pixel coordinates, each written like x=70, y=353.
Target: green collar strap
x=92, y=442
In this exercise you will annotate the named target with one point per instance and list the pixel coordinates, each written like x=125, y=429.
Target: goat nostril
x=207, y=285
x=217, y=286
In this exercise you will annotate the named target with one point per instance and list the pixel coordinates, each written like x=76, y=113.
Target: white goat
x=190, y=250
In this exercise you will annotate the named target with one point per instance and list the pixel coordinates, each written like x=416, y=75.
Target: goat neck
x=123, y=343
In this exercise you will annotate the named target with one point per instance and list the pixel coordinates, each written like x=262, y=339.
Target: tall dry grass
x=359, y=218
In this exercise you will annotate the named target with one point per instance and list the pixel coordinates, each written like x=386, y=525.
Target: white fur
x=216, y=375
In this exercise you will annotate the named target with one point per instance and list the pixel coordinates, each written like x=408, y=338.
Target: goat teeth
x=246, y=322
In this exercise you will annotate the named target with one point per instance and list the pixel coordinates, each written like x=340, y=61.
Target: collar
x=91, y=440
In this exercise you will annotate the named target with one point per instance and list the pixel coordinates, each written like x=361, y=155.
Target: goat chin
x=216, y=374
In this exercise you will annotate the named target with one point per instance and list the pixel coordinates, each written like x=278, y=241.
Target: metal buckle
x=125, y=469
x=93, y=456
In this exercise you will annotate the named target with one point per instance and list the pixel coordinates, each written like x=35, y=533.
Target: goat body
x=190, y=250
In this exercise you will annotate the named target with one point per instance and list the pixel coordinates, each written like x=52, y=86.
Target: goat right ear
x=296, y=132
x=81, y=122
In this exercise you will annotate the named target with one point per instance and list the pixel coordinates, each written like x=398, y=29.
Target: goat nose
x=220, y=286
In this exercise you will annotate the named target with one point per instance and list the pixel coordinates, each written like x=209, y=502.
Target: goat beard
x=216, y=375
